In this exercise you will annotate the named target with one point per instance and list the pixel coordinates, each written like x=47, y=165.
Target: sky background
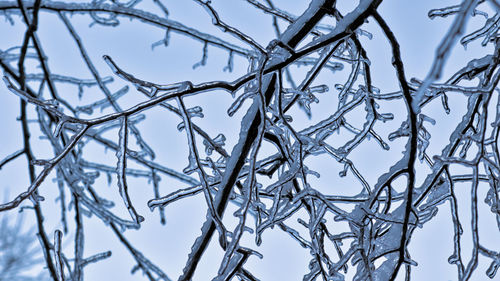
x=129, y=45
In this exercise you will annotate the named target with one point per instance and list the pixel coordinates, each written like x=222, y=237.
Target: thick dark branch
x=291, y=37
x=411, y=146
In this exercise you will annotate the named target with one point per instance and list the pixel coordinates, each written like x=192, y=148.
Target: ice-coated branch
x=121, y=154
x=411, y=146
x=101, y=84
x=95, y=258
x=195, y=165
x=48, y=165
x=350, y=221
x=294, y=34
x=11, y=157
x=443, y=50
x=58, y=256
x=227, y=28
x=141, y=15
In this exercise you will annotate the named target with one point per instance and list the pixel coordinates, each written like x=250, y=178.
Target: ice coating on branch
x=275, y=187
x=219, y=140
x=120, y=171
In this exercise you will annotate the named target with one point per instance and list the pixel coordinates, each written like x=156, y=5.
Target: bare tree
x=19, y=252
x=266, y=171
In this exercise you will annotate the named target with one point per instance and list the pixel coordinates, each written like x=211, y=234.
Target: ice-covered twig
x=11, y=157
x=48, y=166
x=57, y=255
x=101, y=84
x=227, y=28
x=443, y=51
x=121, y=154
x=194, y=164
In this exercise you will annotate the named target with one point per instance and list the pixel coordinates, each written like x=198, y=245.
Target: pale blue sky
x=167, y=246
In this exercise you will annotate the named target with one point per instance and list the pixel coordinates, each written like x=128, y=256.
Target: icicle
x=443, y=12
x=203, y=58
x=229, y=66
x=95, y=258
x=403, y=131
x=493, y=268
x=319, y=89
x=363, y=32
x=180, y=126
x=343, y=173
x=196, y=111
x=80, y=91
x=156, y=189
x=312, y=172
x=219, y=140
x=384, y=117
x=165, y=41
x=424, y=117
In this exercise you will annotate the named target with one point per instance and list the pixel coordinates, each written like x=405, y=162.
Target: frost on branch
x=345, y=164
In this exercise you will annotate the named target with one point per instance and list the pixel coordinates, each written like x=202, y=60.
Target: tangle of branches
x=265, y=172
